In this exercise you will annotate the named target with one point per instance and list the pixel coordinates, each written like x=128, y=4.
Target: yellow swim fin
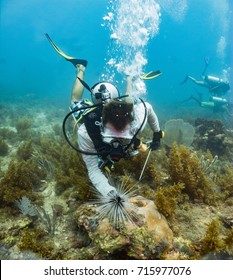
x=71, y=59
x=151, y=75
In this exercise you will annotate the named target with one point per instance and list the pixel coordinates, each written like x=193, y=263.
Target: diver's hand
x=112, y=193
x=115, y=197
x=155, y=145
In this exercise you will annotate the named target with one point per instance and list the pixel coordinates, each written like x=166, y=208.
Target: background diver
x=107, y=128
x=216, y=86
x=216, y=104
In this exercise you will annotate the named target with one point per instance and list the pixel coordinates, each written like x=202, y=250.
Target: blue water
x=189, y=30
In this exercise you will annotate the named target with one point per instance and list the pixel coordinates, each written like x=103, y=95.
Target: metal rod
x=144, y=166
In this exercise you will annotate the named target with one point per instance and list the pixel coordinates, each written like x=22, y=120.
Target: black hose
x=97, y=153
x=64, y=130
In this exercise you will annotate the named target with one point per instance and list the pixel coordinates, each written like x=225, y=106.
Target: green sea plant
x=217, y=242
x=24, y=151
x=19, y=180
x=207, y=164
x=49, y=221
x=50, y=147
x=72, y=173
x=228, y=240
x=67, y=166
x=23, y=124
x=33, y=240
x=131, y=167
x=168, y=198
x=23, y=127
x=225, y=181
x=7, y=133
x=185, y=167
x=152, y=175
x=4, y=148
x=43, y=163
x=57, y=129
x=212, y=242
x=64, y=164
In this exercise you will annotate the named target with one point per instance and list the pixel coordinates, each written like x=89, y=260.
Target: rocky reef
x=147, y=237
x=181, y=208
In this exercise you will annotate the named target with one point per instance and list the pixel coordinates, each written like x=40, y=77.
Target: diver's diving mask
x=115, y=142
x=111, y=136
x=119, y=145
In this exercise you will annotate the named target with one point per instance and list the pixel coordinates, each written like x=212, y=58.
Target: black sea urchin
x=116, y=206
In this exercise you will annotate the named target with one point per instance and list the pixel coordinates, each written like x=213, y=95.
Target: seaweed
x=23, y=126
x=132, y=166
x=225, y=181
x=72, y=173
x=176, y=179
x=57, y=129
x=4, y=148
x=47, y=220
x=19, y=180
x=228, y=240
x=168, y=198
x=31, y=240
x=152, y=175
x=58, y=161
x=7, y=134
x=24, y=151
x=51, y=147
x=185, y=167
x=212, y=241
x=43, y=163
x=26, y=207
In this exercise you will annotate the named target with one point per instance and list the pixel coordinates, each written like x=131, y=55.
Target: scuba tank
x=219, y=100
x=217, y=85
x=213, y=80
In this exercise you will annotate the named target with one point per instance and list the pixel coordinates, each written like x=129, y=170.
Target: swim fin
x=151, y=75
x=185, y=80
x=73, y=60
x=192, y=98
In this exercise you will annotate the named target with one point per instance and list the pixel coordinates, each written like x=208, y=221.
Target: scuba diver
x=107, y=128
x=216, y=86
x=216, y=104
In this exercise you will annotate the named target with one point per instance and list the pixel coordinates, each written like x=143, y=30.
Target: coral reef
x=178, y=131
x=212, y=136
x=182, y=208
x=149, y=237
